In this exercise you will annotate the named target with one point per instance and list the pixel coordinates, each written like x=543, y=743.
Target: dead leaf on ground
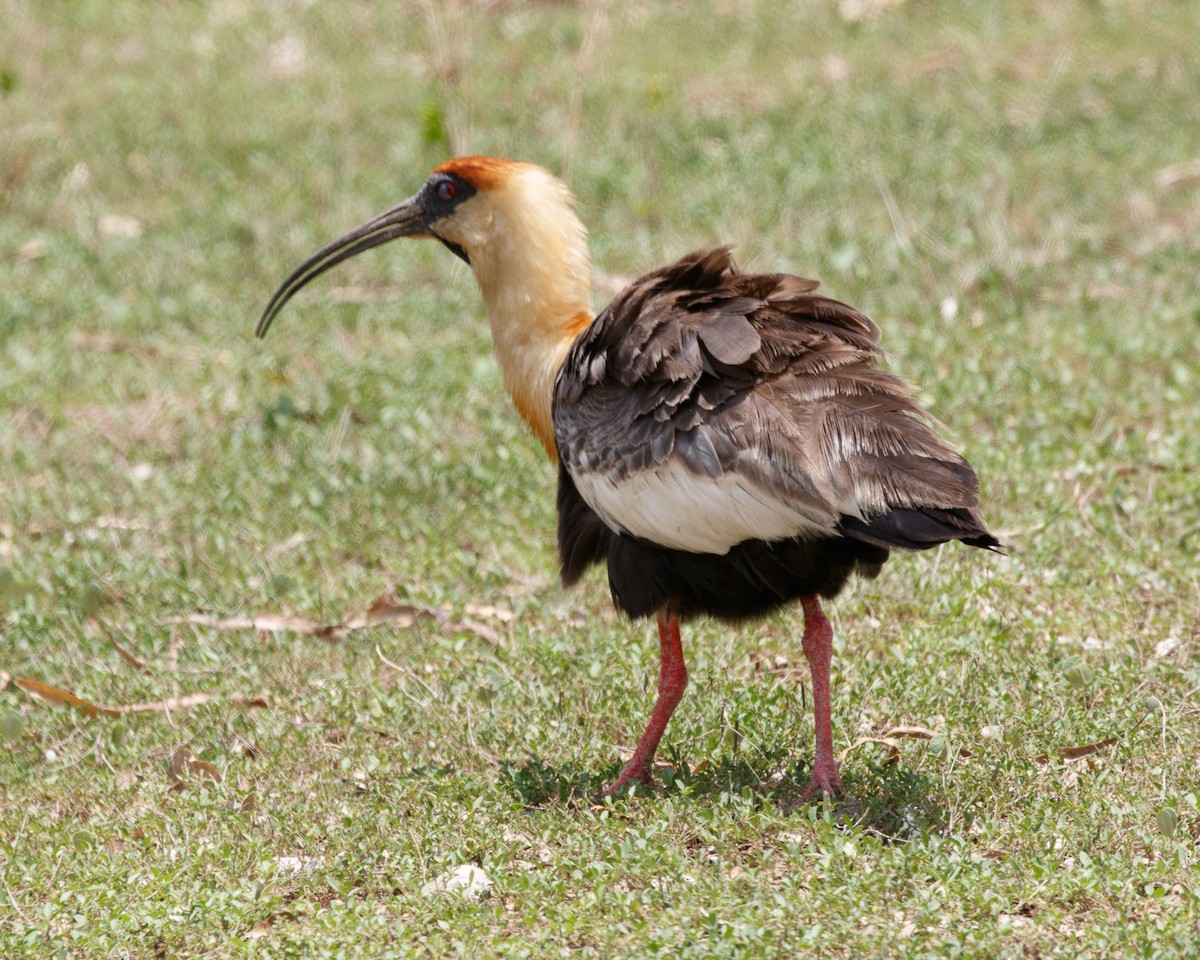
x=120, y=226
x=1177, y=173
x=264, y=927
x=270, y=623
x=190, y=700
x=43, y=691
x=173, y=648
x=390, y=608
x=1077, y=752
x=469, y=880
x=892, y=745
x=889, y=740
x=113, y=522
x=916, y=733
x=297, y=539
x=166, y=706
x=1166, y=646
x=186, y=768
x=107, y=343
x=489, y=612
x=387, y=608
x=33, y=249
x=128, y=657
x=1086, y=750
x=855, y=11
x=1006, y=534
x=298, y=864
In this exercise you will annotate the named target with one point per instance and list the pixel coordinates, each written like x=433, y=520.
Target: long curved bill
x=405, y=220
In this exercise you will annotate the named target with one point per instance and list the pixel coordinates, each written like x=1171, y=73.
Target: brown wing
x=762, y=404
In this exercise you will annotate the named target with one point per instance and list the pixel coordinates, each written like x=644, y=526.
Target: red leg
x=672, y=681
x=818, y=649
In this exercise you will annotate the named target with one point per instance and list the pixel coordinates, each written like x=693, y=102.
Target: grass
x=1010, y=189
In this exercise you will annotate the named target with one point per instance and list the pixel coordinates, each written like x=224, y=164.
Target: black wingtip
x=913, y=529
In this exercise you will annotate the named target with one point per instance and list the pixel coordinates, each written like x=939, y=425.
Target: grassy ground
x=1012, y=190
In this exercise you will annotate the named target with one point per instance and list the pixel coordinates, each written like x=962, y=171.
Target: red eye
x=445, y=190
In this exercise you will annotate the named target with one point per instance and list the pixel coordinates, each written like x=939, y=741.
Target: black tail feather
x=909, y=529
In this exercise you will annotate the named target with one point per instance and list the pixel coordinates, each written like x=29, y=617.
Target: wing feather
x=752, y=392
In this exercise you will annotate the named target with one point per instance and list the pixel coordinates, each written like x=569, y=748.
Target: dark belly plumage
x=753, y=578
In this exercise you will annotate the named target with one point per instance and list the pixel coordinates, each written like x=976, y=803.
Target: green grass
x=1024, y=161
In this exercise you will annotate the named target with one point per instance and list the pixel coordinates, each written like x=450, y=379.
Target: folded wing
x=706, y=407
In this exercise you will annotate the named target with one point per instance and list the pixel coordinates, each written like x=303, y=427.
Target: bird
x=727, y=443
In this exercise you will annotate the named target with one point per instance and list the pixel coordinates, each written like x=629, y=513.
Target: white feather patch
x=673, y=507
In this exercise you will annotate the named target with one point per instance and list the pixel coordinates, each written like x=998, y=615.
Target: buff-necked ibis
x=725, y=441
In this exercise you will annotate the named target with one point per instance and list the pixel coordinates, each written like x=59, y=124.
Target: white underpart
x=674, y=507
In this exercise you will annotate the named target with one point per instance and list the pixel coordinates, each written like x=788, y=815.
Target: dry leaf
x=259, y=700
x=189, y=700
x=387, y=608
x=54, y=695
x=291, y=543
x=107, y=343
x=128, y=657
x=468, y=879
x=263, y=927
x=43, y=691
x=892, y=745
x=267, y=622
x=1085, y=750
x=1177, y=173
x=855, y=11
x=1166, y=646
x=481, y=631
x=167, y=706
x=488, y=612
x=298, y=864
x=889, y=740
x=185, y=767
x=917, y=733
x=31, y=250
x=173, y=648
x=260, y=929
x=112, y=522
x=116, y=225
x=1077, y=752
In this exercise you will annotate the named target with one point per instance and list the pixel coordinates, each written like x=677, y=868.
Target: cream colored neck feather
x=530, y=257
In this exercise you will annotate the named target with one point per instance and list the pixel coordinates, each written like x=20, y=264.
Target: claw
x=634, y=772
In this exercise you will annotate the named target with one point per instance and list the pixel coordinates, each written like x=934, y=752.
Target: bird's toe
x=824, y=780
x=635, y=772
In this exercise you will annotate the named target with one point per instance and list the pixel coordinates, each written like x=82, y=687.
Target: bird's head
x=512, y=222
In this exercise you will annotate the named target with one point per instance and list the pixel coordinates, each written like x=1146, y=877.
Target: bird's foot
x=636, y=771
x=824, y=779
